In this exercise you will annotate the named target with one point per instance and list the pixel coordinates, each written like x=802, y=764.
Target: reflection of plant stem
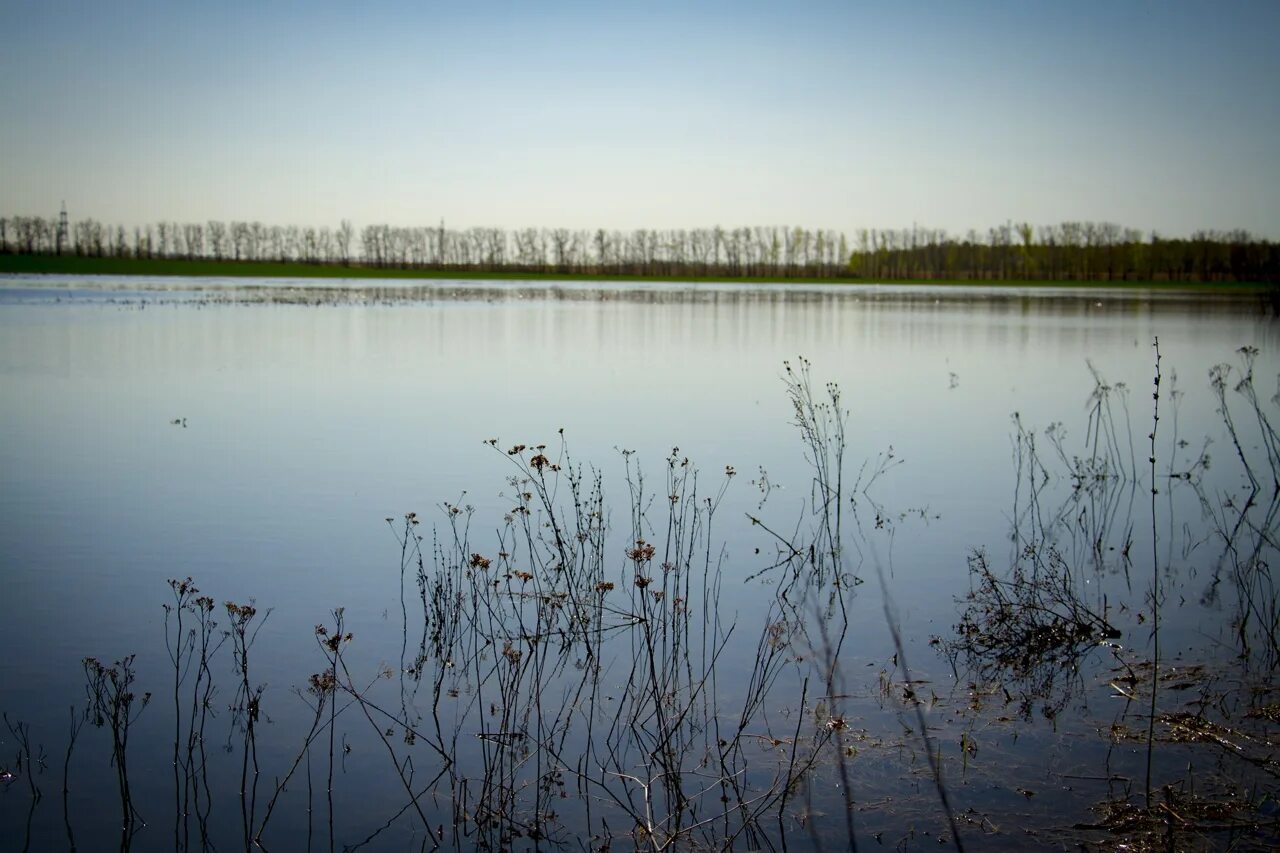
x=338, y=663
x=935, y=766
x=322, y=686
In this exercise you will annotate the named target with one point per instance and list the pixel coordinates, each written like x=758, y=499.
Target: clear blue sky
x=1157, y=115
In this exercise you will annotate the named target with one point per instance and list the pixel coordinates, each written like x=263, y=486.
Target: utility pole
x=61, y=237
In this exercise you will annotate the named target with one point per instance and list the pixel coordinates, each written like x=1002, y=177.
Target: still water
x=522, y=673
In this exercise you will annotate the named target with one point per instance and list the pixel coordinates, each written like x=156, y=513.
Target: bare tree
x=217, y=232
x=344, y=234
x=193, y=234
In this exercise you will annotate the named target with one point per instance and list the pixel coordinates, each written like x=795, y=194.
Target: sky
x=1160, y=116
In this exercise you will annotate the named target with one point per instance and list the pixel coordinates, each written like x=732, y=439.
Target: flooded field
x=506, y=566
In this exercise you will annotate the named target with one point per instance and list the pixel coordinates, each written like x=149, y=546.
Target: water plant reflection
x=1044, y=634
x=565, y=682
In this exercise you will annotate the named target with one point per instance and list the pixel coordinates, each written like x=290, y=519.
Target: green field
x=73, y=265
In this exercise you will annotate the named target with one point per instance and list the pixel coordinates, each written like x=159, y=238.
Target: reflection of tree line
x=1070, y=251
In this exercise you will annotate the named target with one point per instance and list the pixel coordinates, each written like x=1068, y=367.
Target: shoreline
x=167, y=267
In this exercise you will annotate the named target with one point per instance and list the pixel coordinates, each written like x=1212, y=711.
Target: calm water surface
x=258, y=436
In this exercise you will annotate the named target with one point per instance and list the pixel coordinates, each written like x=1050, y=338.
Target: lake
x=640, y=565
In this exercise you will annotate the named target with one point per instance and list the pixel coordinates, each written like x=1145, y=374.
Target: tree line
x=1069, y=251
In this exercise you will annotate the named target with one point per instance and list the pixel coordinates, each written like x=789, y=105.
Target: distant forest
x=1070, y=251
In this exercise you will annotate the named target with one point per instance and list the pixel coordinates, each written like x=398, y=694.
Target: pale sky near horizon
x=1155, y=115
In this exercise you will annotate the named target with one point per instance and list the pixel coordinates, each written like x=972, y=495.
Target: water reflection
x=1073, y=614
x=634, y=652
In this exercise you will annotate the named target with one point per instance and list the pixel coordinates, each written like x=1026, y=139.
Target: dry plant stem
x=322, y=689
x=333, y=646
x=822, y=427
x=22, y=734
x=1270, y=439
x=73, y=732
x=111, y=698
x=310, y=801
x=1155, y=575
x=177, y=648
x=792, y=779
x=202, y=692
x=181, y=648
x=333, y=714
x=1218, y=377
x=663, y=693
x=247, y=708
